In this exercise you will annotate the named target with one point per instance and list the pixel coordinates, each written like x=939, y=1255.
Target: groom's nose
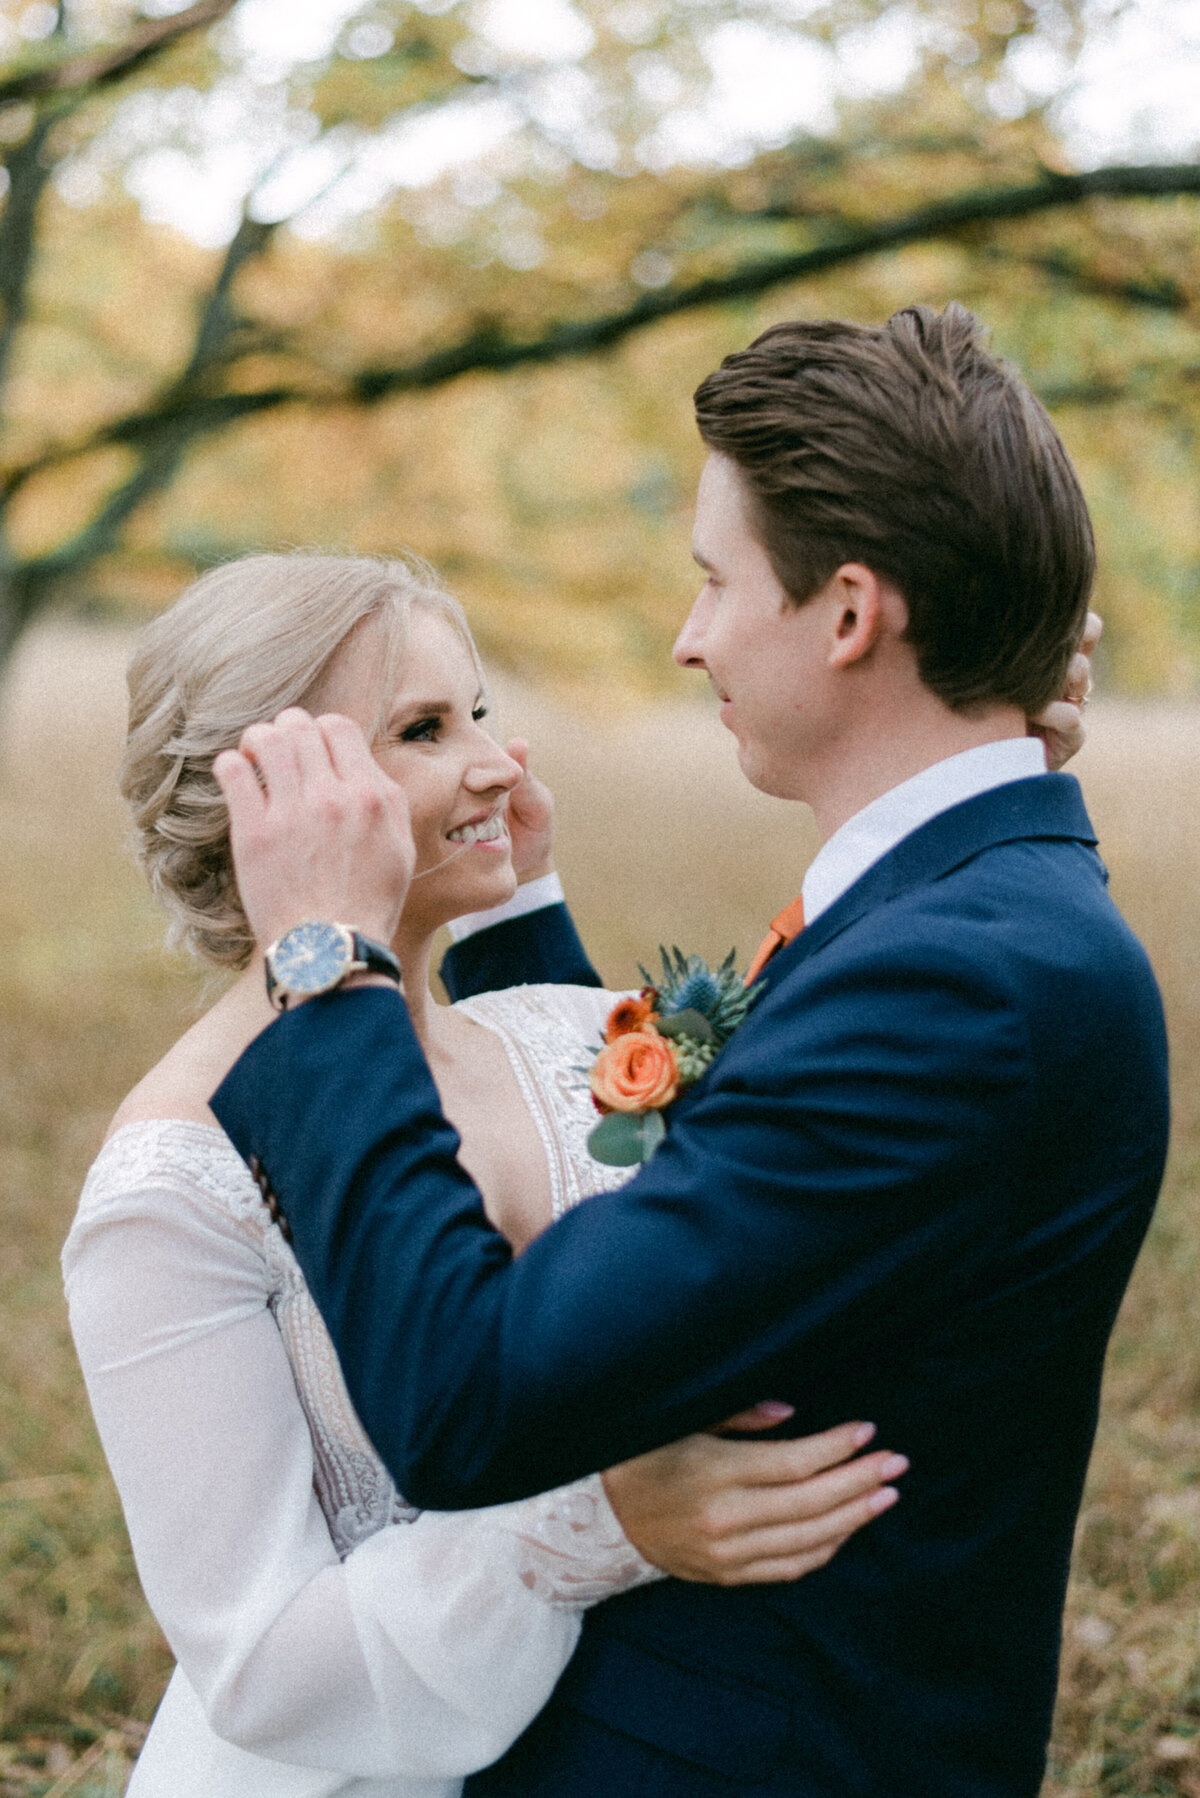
x=688, y=651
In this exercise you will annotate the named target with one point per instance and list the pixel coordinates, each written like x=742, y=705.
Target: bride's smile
x=487, y=831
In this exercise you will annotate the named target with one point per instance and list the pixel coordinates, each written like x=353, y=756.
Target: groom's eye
x=479, y=714
x=425, y=730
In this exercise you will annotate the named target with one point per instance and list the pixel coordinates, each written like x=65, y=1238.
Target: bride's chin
x=469, y=890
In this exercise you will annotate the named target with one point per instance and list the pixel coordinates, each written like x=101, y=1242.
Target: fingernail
x=863, y=1434
x=775, y=1409
x=883, y=1500
x=894, y=1466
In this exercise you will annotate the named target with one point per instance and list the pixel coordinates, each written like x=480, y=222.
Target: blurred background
x=311, y=272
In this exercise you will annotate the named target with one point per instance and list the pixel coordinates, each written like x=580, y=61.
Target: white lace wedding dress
x=329, y=1639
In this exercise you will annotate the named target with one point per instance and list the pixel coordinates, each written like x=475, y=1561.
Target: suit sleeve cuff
x=546, y=890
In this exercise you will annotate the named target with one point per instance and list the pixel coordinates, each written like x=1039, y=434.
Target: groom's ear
x=865, y=609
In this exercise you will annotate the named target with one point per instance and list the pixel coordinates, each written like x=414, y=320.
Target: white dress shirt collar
x=870, y=833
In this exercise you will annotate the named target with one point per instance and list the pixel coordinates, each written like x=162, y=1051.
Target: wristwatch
x=314, y=958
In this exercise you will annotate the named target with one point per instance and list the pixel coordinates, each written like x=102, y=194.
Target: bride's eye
x=425, y=730
x=479, y=714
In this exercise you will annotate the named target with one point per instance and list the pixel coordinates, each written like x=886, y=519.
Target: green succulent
x=692, y=1058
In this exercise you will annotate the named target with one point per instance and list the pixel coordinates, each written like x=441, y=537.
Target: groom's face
x=766, y=657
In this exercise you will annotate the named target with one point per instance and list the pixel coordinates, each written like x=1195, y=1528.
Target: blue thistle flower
x=688, y=983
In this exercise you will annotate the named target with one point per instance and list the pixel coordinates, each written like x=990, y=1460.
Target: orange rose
x=636, y=1072
x=630, y=1014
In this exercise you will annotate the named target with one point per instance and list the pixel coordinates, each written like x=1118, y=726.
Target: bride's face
x=434, y=742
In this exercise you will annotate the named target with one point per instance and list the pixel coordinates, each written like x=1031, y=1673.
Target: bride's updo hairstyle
x=239, y=645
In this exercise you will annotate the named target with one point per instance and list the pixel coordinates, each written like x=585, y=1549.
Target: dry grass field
x=652, y=809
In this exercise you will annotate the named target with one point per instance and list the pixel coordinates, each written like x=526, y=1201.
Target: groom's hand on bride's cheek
x=530, y=819
x=316, y=828
x=733, y=1513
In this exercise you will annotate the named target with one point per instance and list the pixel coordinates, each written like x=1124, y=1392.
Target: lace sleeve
x=572, y=1550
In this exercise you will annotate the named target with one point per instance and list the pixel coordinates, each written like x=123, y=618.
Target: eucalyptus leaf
x=689, y=1022
x=625, y=1138
x=617, y=1140
x=654, y=1128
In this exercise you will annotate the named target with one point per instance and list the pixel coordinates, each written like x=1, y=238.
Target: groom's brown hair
x=910, y=448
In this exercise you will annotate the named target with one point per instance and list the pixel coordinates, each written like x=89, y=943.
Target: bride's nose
x=493, y=769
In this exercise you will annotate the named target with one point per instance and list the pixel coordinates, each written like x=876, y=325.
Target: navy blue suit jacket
x=911, y=1189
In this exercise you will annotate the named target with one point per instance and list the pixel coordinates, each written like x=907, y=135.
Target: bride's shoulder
x=179, y=1086
x=172, y=1090
x=165, y=1161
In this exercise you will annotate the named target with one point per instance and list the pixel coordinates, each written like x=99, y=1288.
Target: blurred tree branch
x=1160, y=295
x=192, y=408
x=51, y=92
x=489, y=348
x=28, y=169
x=640, y=249
x=89, y=72
x=161, y=446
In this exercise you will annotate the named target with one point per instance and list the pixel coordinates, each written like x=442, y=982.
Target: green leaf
x=654, y=1128
x=689, y=1022
x=617, y=1140
x=625, y=1138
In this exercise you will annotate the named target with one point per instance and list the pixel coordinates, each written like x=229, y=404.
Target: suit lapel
x=1046, y=806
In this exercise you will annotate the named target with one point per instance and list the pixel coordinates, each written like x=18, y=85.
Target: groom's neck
x=876, y=752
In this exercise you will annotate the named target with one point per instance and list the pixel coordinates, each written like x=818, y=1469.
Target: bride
x=329, y=1639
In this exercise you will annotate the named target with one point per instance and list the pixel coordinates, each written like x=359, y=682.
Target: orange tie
x=787, y=925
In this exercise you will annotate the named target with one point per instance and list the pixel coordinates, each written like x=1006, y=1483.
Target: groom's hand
x=316, y=827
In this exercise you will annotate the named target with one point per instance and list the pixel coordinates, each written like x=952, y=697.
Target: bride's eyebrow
x=420, y=708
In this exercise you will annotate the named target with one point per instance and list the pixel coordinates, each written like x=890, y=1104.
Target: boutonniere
x=657, y=1044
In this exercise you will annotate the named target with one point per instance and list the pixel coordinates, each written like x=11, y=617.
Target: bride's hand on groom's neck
x=1060, y=724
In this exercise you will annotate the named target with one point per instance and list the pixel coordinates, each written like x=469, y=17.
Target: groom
x=911, y=1187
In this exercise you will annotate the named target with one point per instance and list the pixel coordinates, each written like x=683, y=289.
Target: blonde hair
x=241, y=643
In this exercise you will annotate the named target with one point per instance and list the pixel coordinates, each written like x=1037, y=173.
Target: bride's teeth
x=478, y=833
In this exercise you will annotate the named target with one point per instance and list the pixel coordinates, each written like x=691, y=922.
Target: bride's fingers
x=1079, y=679
x=1062, y=730
x=763, y=1416
x=764, y=1463
x=783, y=1569
x=735, y=1511
x=779, y=1573
x=805, y=1534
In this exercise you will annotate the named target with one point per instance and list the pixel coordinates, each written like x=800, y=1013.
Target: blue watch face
x=311, y=958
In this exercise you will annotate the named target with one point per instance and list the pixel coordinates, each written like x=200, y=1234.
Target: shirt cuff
x=545, y=890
